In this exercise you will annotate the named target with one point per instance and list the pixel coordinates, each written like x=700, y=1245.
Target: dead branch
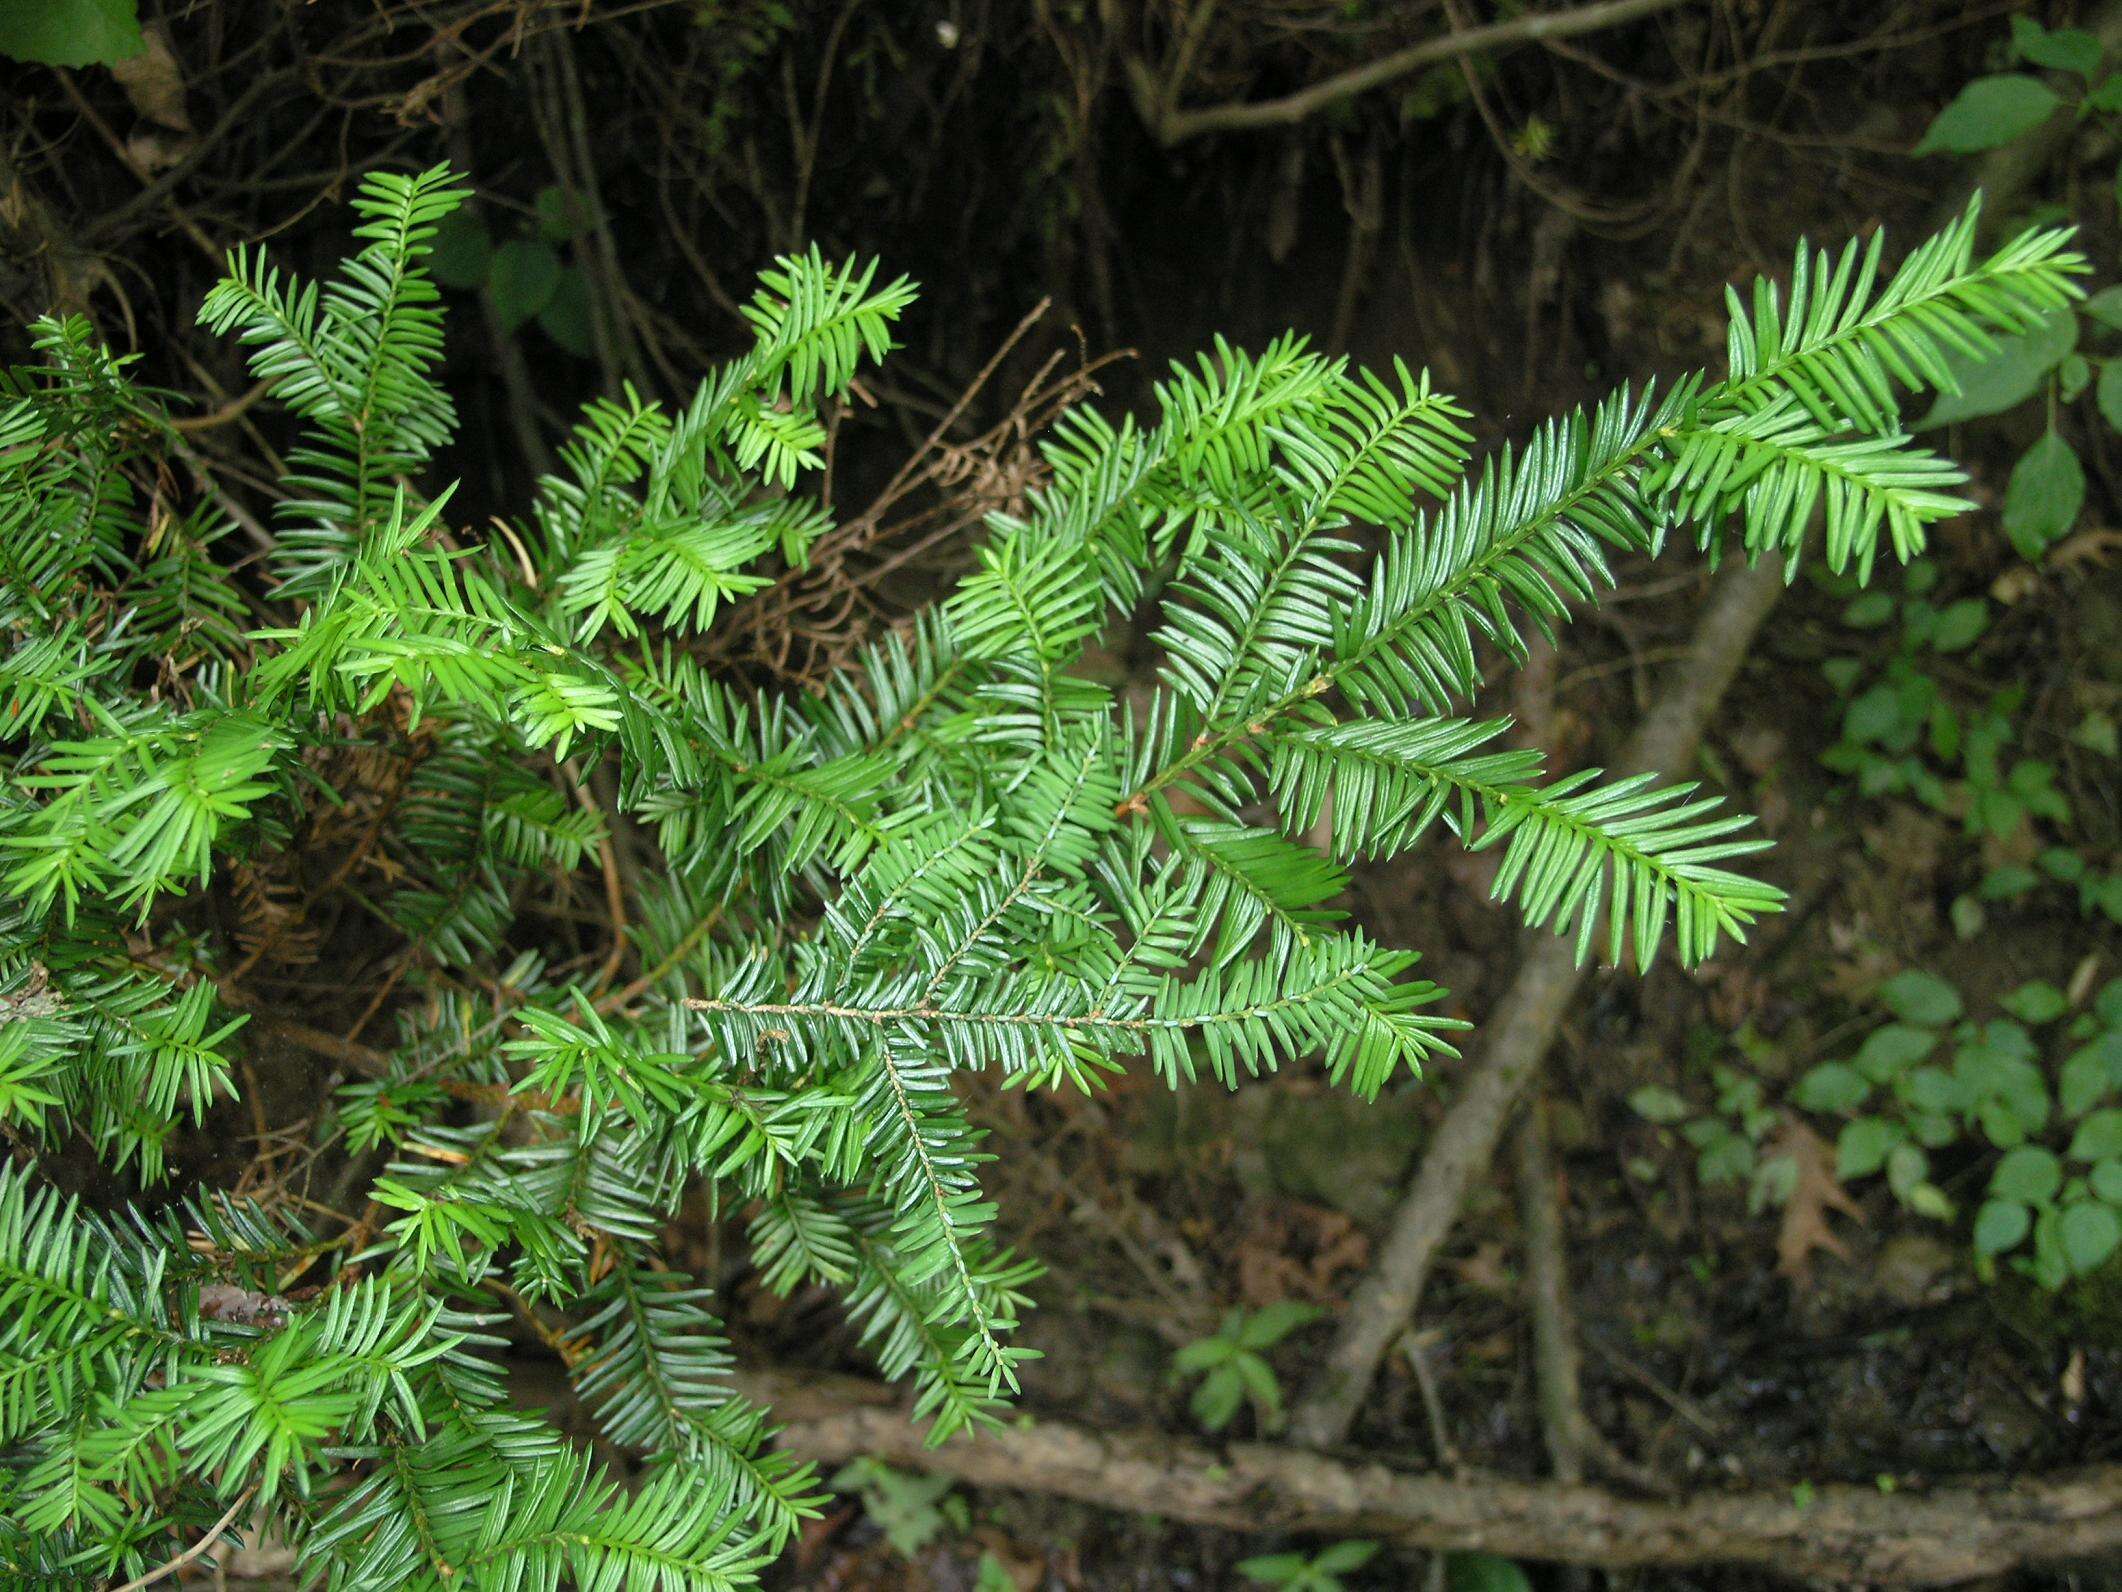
x=1174, y=126
x=1980, y=1526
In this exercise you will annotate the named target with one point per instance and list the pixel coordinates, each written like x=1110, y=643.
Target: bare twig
x=1175, y=126
x=194, y=1552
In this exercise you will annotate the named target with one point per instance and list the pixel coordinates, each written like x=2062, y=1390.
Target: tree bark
x=1978, y=1526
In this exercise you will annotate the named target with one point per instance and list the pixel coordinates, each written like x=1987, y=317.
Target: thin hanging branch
x=1172, y=125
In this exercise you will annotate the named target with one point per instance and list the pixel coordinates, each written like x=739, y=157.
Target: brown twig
x=1174, y=126
x=195, y=1551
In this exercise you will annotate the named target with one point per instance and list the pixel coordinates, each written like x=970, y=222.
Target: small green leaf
x=1864, y=1144
x=1832, y=1086
x=2105, y=306
x=2090, y=1232
x=1217, y=1400
x=1874, y=716
x=2037, y=1002
x=1656, y=1103
x=522, y=278
x=1869, y=611
x=2006, y=376
x=2084, y=1081
x=1996, y=1058
x=71, y=32
x=565, y=318
x=2099, y=1136
x=1775, y=1180
x=1906, y=1169
x=463, y=249
x=2059, y=50
x=2000, y=1123
x=1888, y=1052
x=2029, y=1174
x=1275, y=1569
x=1932, y=1090
x=1484, y=1572
x=2008, y=882
x=1988, y=112
x=2108, y=395
x=1202, y=1354
x=2042, y=500
x=1968, y=917
x=2106, y=1181
x=560, y=214
x=1260, y=1386
x=2001, y=1225
x=1726, y=1159
x=1922, y=998
x=1960, y=625
x=1270, y=1324
x=1340, y=1557
x=2051, y=1268
x=2062, y=864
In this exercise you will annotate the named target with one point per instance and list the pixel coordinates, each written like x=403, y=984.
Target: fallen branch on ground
x=1976, y=1526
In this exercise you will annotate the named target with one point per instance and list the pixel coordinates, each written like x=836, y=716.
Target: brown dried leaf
x=2015, y=585
x=1296, y=1251
x=1487, y=1269
x=221, y=1301
x=154, y=82
x=1815, y=1192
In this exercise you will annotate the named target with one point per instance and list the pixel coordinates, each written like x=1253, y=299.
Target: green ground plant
x=2067, y=355
x=1233, y=1368
x=502, y=761
x=2020, y=1105
x=1909, y=732
x=1309, y=1572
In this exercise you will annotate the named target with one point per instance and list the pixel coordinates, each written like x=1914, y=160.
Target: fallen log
x=1913, y=1536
